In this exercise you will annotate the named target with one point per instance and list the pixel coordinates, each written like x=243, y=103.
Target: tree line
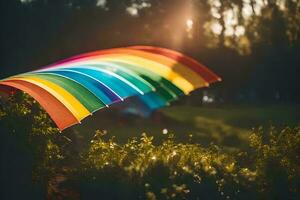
x=253, y=45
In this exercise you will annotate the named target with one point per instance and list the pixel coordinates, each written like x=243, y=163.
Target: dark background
x=260, y=65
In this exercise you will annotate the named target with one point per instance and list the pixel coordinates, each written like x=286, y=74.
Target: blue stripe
x=153, y=100
x=100, y=90
x=118, y=86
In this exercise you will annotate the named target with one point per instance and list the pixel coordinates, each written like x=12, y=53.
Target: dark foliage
x=260, y=65
x=38, y=162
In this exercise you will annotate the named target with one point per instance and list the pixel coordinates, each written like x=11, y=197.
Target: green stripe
x=83, y=95
x=164, y=83
x=130, y=76
x=163, y=92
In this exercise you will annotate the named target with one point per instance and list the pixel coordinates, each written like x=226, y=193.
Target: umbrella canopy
x=74, y=88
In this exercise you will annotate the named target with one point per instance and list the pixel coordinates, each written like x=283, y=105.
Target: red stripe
x=194, y=65
x=207, y=74
x=62, y=117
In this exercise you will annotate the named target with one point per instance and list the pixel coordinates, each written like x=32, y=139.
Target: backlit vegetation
x=143, y=168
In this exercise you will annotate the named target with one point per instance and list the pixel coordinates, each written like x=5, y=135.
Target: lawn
x=228, y=125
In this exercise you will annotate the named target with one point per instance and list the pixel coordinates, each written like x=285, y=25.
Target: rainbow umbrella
x=74, y=88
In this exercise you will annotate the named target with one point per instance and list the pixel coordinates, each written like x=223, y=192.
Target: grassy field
x=228, y=125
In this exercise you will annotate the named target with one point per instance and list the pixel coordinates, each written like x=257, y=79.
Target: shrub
x=144, y=169
x=275, y=155
x=169, y=170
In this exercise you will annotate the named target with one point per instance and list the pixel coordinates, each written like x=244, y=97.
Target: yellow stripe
x=195, y=79
x=75, y=107
x=155, y=67
x=158, y=68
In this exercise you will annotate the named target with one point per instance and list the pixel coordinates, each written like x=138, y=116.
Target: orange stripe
x=62, y=117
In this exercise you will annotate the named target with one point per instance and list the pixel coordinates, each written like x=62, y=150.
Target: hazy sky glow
x=186, y=16
x=26, y=1
x=101, y=3
x=232, y=27
x=133, y=10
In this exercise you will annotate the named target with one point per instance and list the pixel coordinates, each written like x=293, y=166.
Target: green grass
x=243, y=116
x=228, y=126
